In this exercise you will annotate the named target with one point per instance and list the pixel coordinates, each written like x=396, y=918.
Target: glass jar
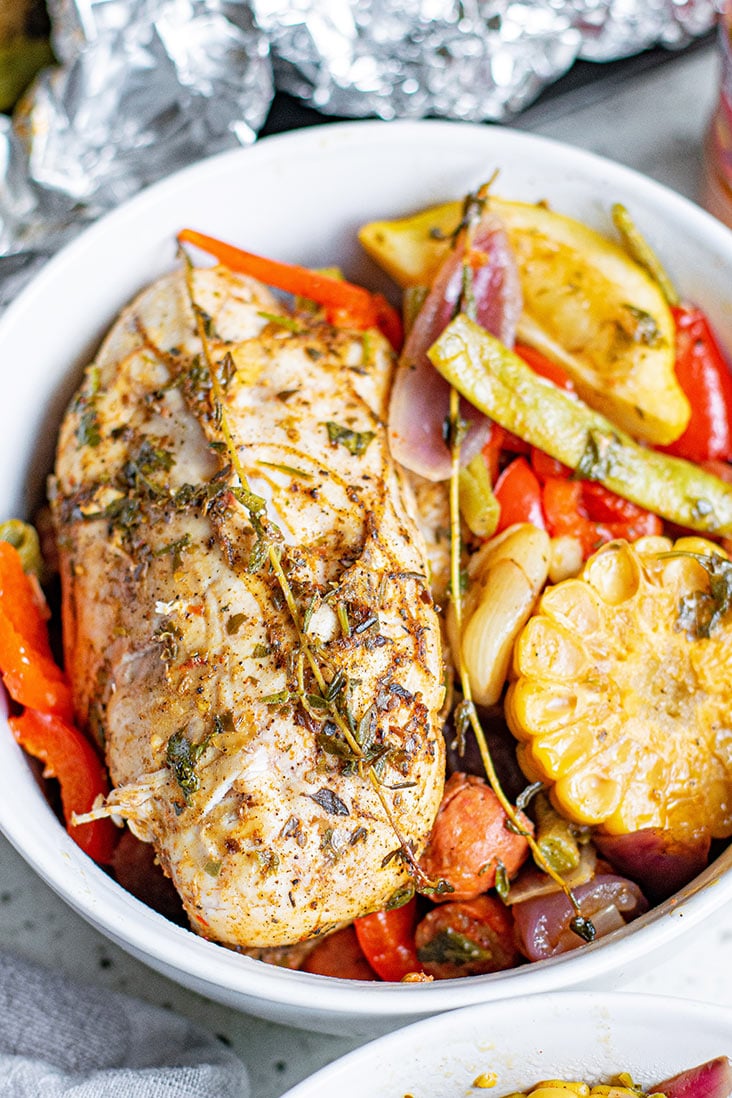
x=717, y=185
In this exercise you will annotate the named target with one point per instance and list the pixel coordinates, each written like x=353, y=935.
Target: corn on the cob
x=622, y=699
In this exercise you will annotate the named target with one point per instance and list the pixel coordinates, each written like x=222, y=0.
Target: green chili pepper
x=500, y=384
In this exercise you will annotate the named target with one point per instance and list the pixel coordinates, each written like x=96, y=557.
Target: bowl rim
x=135, y=926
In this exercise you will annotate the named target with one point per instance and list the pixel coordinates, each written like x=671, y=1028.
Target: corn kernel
x=546, y=648
x=614, y=573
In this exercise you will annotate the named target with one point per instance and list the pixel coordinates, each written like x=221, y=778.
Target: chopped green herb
x=175, y=549
x=596, y=460
x=181, y=757
x=223, y=722
x=282, y=320
x=234, y=623
x=641, y=327
x=316, y=701
x=700, y=612
x=268, y=861
x=399, y=898
x=308, y=615
x=87, y=430
x=356, y=442
x=167, y=636
x=450, y=947
x=335, y=686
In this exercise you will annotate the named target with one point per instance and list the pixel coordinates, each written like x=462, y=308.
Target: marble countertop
x=654, y=122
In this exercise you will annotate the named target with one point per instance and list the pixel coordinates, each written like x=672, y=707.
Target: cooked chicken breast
x=247, y=623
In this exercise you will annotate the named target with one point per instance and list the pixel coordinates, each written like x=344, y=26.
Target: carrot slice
x=346, y=304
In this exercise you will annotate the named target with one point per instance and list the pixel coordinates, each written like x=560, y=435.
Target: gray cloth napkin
x=62, y=1039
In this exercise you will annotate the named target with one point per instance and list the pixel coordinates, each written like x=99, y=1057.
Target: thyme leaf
x=280, y=698
x=527, y=795
x=583, y=928
x=330, y=802
x=502, y=882
x=291, y=470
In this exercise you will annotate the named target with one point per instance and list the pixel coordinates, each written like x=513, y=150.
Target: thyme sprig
x=269, y=549
x=580, y=925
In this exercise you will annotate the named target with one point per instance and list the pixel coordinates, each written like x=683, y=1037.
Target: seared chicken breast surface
x=247, y=623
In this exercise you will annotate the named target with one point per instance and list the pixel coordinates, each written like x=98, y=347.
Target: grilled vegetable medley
x=405, y=637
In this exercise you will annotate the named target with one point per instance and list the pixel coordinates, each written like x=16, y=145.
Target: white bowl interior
x=590, y=1037
x=301, y=197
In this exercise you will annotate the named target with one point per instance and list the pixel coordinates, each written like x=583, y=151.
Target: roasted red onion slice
x=543, y=924
x=420, y=397
x=657, y=860
x=710, y=1080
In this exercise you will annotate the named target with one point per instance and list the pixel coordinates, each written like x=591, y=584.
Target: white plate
x=301, y=197
x=591, y=1037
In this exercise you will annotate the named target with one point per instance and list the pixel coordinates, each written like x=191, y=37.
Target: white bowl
x=585, y=1036
x=301, y=197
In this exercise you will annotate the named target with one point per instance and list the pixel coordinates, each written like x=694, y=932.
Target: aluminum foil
x=465, y=59
x=144, y=87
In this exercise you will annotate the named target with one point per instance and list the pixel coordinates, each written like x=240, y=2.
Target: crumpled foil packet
x=474, y=60
x=144, y=87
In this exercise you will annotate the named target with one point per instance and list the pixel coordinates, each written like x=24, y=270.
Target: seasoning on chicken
x=247, y=622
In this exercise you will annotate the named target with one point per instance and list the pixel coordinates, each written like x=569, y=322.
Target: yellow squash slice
x=587, y=306
x=622, y=699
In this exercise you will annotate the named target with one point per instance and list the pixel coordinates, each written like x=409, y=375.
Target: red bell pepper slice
x=345, y=304
x=492, y=451
x=544, y=367
x=545, y=466
x=45, y=729
x=519, y=496
x=592, y=514
x=68, y=756
x=23, y=599
x=387, y=940
x=549, y=370
x=704, y=376
x=29, y=672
